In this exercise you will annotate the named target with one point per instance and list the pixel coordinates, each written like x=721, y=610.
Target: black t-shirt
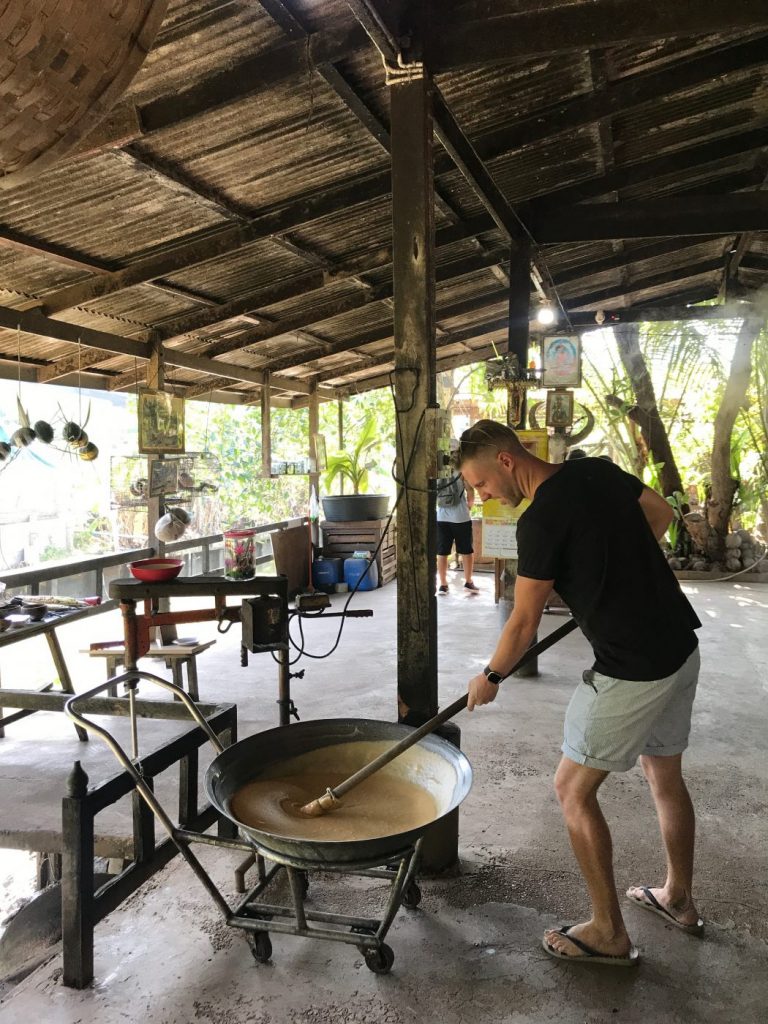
x=585, y=530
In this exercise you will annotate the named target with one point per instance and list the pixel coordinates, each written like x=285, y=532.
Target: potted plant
x=353, y=465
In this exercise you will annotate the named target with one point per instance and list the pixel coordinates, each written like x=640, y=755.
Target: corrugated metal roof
x=282, y=146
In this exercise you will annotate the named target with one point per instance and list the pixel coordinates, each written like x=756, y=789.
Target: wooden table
x=47, y=627
x=216, y=589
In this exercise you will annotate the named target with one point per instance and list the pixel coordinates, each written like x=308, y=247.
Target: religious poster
x=559, y=409
x=561, y=362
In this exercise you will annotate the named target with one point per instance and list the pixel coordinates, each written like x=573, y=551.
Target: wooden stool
x=175, y=656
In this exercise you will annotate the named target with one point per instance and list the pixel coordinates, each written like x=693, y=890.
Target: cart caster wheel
x=379, y=960
x=261, y=946
x=412, y=896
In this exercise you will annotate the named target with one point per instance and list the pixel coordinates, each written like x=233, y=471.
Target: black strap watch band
x=491, y=676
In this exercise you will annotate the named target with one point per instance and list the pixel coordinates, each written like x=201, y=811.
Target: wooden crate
x=341, y=540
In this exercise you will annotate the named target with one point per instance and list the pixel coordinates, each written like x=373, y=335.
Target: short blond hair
x=487, y=435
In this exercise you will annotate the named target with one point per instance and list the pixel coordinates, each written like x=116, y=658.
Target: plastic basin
x=156, y=570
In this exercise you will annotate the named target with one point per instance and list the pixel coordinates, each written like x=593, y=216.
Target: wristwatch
x=491, y=676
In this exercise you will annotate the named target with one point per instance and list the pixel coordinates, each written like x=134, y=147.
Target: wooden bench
x=175, y=656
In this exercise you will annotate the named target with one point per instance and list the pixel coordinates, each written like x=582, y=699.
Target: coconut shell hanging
x=63, y=65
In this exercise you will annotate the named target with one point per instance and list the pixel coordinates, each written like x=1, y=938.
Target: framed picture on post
x=559, y=408
x=561, y=362
x=161, y=423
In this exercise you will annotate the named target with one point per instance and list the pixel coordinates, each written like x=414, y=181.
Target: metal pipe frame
x=247, y=914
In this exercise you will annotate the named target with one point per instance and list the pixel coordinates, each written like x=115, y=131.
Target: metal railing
x=32, y=577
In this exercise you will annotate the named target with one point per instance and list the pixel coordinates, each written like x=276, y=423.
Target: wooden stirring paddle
x=332, y=797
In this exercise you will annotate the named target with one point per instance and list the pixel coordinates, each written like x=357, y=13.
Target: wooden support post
x=340, y=410
x=314, y=475
x=77, y=909
x=155, y=382
x=155, y=506
x=519, y=313
x=414, y=330
x=266, y=427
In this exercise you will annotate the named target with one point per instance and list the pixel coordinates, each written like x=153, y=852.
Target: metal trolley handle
x=131, y=678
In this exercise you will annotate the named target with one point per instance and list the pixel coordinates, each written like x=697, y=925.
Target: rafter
x=601, y=296
x=495, y=297
x=210, y=245
x=469, y=34
x=346, y=304
x=609, y=99
x=681, y=215
x=239, y=80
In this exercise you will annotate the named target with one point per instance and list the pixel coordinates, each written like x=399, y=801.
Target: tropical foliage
x=354, y=463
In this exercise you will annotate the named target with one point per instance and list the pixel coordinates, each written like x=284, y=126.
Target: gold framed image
x=559, y=408
x=161, y=423
x=561, y=361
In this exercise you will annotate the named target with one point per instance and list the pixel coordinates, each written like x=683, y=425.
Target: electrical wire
x=300, y=648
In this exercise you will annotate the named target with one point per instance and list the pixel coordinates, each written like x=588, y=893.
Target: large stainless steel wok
x=449, y=770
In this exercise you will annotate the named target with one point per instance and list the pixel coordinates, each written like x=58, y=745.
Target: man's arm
x=657, y=511
x=516, y=636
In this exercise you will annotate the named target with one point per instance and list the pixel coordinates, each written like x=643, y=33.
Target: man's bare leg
x=469, y=561
x=442, y=570
x=677, y=822
x=576, y=786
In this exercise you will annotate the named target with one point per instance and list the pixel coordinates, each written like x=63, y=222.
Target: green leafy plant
x=352, y=464
x=679, y=539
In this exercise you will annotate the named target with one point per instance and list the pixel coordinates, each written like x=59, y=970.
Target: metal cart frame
x=255, y=918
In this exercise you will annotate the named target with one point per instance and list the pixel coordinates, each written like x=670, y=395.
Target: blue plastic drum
x=355, y=571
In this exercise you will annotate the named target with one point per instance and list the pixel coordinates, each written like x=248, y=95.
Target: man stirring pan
x=592, y=533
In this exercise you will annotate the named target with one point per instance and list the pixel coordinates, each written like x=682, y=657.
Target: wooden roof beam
x=346, y=304
x=243, y=78
x=446, y=363
x=32, y=322
x=108, y=346
x=681, y=215
x=602, y=296
x=209, y=245
x=612, y=98
x=494, y=297
x=755, y=261
x=80, y=261
x=604, y=265
x=461, y=151
x=740, y=245
x=468, y=35
x=485, y=327
x=669, y=165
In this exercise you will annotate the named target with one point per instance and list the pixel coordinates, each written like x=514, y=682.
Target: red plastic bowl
x=156, y=570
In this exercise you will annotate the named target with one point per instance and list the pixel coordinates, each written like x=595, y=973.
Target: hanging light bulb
x=546, y=315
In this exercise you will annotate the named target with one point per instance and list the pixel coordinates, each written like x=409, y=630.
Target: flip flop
x=651, y=903
x=591, y=956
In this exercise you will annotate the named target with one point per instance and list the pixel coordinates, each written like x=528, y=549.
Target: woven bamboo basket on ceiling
x=63, y=65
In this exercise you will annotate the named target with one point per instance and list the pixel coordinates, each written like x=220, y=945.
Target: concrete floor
x=472, y=951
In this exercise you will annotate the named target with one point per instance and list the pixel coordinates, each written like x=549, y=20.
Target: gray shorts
x=610, y=722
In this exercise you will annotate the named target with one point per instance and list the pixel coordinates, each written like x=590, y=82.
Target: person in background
x=592, y=532
x=454, y=526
